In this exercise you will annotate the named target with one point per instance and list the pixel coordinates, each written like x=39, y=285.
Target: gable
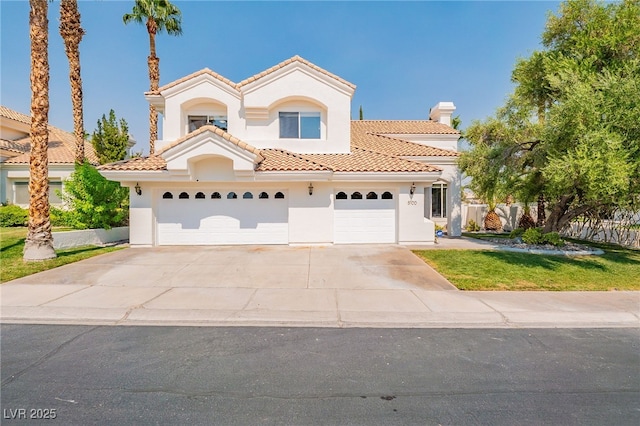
x=206, y=144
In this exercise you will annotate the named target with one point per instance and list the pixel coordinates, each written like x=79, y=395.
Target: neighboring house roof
x=19, y=146
x=398, y=127
x=251, y=79
x=14, y=115
x=62, y=144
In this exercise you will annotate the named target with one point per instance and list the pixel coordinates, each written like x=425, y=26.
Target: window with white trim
x=299, y=125
x=197, y=121
x=439, y=200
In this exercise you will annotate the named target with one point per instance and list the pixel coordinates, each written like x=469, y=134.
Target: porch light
x=138, y=189
x=310, y=188
x=412, y=189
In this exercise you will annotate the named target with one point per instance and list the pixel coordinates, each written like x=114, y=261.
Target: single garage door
x=364, y=217
x=222, y=217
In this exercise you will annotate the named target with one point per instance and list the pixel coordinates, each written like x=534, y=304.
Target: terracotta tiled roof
x=14, y=115
x=218, y=131
x=284, y=63
x=251, y=79
x=147, y=164
x=194, y=75
x=61, y=144
x=280, y=160
x=397, y=127
x=396, y=147
x=19, y=146
x=359, y=160
x=363, y=160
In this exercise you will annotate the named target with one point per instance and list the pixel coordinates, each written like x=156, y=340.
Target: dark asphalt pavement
x=298, y=376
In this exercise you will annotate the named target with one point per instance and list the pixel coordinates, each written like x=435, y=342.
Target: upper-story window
x=299, y=125
x=197, y=121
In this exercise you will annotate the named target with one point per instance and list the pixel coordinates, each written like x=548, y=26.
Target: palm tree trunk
x=39, y=242
x=154, y=78
x=72, y=32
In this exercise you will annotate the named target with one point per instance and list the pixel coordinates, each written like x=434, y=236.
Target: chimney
x=442, y=112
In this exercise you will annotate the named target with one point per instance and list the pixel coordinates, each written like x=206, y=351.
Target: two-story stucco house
x=276, y=159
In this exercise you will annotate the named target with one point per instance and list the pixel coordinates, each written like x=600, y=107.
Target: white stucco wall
x=295, y=89
x=306, y=89
x=311, y=216
x=141, y=216
x=413, y=227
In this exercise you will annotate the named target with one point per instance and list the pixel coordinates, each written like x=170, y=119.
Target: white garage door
x=369, y=219
x=216, y=218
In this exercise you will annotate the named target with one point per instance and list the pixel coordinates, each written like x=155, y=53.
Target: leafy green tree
x=111, y=138
x=570, y=132
x=361, y=114
x=95, y=201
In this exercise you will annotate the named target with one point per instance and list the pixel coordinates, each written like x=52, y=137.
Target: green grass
x=617, y=269
x=12, y=265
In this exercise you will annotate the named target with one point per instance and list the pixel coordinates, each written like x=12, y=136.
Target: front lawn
x=617, y=269
x=12, y=265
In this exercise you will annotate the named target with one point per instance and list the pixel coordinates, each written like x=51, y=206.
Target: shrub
x=12, y=215
x=516, y=233
x=472, y=226
x=96, y=201
x=532, y=236
x=60, y=217
x=552, y=238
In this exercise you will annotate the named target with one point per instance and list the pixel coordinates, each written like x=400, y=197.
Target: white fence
x=617, y=231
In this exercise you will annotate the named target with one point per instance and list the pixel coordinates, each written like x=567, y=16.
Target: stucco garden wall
x=89, y=237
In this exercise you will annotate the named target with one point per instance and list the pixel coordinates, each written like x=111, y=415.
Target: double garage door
x=198, y=217
x=222, y=217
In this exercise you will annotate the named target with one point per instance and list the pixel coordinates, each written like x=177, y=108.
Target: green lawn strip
x=617, y=269
x=12, y=266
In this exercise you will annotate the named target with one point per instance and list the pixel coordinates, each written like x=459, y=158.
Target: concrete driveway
x=337, y=286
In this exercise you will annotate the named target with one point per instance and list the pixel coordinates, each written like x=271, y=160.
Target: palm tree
x=39, y=242
x=158, y=16
x=72, y=33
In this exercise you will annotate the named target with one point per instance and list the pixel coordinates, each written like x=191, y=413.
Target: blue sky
x=404, y=57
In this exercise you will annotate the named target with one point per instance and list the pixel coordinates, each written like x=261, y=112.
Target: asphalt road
x=297, y=376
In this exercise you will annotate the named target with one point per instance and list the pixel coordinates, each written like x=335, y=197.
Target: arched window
x=183, y=196
x=232, y=196
x=372, y=196
x=167, y=195
x=247, y=195
x=387, y=196
x=356, y=196
x=200, y=196
x=279, y=195
x=263, y=195
x=216, y=195
x=341, y=196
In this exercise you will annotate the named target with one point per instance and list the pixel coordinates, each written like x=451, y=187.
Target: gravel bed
x=568, y=249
